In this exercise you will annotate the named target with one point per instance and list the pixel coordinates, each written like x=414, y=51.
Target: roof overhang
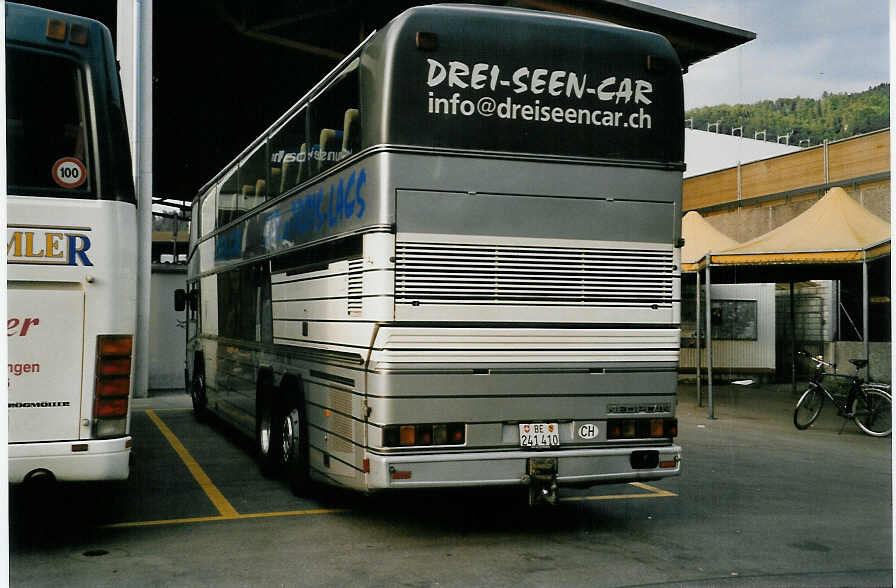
x=694, y=39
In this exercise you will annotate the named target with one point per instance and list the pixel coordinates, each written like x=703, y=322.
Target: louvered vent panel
x=432, y=273
x=355, y=286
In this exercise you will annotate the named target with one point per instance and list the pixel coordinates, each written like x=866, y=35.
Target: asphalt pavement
x=758, y=503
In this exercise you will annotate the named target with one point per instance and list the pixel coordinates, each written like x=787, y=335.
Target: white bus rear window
x=46, y=126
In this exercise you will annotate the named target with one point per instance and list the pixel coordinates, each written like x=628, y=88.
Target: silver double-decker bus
x=454, y=262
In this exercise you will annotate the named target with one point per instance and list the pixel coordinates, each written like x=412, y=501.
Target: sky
x=802, y=48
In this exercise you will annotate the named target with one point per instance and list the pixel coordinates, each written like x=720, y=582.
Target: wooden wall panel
x=851, y=158
x=795, y=170
x=862, y=156
x=709, y=189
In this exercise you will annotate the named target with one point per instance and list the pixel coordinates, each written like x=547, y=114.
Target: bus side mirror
x=180, y=299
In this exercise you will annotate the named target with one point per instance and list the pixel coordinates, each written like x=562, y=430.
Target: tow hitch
x=541, y=477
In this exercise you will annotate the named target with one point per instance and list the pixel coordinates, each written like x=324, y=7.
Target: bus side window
x=208, y=206
x=351, y=132
x=335, y=122
x=265, y=328
x=253, y=179
x=330, y=149
x=228, y=199
x=288, y=155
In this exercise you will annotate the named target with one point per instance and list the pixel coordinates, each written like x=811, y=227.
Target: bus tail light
x=112, y=385
x=57, y=29
x=642, y=428
x=424, y=435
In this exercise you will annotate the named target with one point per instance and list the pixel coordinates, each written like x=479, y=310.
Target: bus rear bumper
x=72, y=461
x=575, y=467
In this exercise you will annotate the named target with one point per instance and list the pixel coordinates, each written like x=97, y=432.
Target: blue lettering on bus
x=272, y=229
x=362, y=179
x=312, y=212
x=76, y=252
x=347, y=194
x=229, y=245
x=321, y=219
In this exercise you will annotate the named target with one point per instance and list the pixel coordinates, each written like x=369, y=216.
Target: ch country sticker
x=48, y=245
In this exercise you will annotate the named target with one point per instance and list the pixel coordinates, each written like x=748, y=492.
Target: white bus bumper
x=72, y=461
x=574, y=467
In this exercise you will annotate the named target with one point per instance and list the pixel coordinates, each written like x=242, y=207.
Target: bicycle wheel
x=808, y=408
x=872, y=410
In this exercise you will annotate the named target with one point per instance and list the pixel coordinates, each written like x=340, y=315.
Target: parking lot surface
x=758, y=504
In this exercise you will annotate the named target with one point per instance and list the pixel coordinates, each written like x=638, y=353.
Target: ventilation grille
x=355, y=286
x=432, y=273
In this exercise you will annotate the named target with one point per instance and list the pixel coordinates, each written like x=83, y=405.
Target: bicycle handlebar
x=818, y=361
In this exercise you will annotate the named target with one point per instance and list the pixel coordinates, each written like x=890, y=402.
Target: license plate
x=539, y=435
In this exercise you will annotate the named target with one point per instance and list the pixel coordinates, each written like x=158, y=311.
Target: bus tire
x=294, y=439
x=198, y=394
x=267, y=429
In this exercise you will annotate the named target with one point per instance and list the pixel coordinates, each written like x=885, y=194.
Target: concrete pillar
x=134, y=32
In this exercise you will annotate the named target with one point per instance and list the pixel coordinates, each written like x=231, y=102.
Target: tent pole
x=865, y=315
x=699, y=347
x=709, y=341
x=792, y=343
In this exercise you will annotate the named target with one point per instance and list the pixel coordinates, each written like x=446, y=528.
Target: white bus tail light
x=112, y=385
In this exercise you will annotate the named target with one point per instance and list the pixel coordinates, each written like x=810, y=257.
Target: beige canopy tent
x=836, y=229
x=832, y=237
x=700, y=238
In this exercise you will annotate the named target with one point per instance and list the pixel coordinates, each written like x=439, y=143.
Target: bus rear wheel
x=198, y=396
x=267, y=432
x=294, y=438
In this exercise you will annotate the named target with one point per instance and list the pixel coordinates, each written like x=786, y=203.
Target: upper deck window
x=48, y=148
x=335, y=122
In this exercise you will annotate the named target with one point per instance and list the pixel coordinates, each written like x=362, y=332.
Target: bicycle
x=866, y=403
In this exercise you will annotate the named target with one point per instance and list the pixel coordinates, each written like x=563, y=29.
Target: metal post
x=699, y=360
x=712, y=413
x=827, y=163
x=792, y=343
x=143, y=159
x=865, y=316
x=740, y=185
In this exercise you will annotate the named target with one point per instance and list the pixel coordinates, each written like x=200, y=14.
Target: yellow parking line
x=222, y=504
x=238, y=517
x=228, y=513
x=652, y=492
x=656, y=491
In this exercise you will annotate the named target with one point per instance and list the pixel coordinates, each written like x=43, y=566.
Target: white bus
x=454, y=262
x=71, y=250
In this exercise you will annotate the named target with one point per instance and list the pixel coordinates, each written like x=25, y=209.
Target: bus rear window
x=47, y=149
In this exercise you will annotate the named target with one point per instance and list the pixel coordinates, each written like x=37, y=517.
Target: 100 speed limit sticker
x=69, y=172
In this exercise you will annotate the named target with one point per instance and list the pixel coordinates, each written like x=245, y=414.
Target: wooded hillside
x=833, y=116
